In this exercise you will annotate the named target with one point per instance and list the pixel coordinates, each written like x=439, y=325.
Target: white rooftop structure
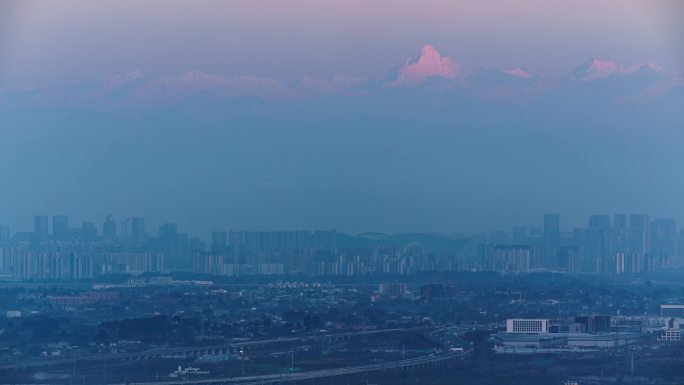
x=522, y=325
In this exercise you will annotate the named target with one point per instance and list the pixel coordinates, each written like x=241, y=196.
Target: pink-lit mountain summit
x=429, y=63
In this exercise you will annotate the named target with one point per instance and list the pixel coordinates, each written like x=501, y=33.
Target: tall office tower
x=109, y=229
x=620, y=221
x=551, y=241
x=172, y=245
x=599, y=222
x=138, y=230
x=60, y=227
x=638, y=234
x=88, y=232
x=219, y=241
x=4, y=235
x=40, y=228
x=663, y=237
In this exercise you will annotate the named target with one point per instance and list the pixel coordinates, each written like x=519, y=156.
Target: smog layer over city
x=353, y=192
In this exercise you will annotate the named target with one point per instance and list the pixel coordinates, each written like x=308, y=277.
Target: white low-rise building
x=671, y=335
x=13, y=314
x=521, y=325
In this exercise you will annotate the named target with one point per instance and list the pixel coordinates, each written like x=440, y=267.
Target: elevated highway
x=207, y=350
x=411, y=363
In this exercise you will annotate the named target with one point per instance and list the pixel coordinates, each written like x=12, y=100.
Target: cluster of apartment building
x=618, y=245
x=624, y=245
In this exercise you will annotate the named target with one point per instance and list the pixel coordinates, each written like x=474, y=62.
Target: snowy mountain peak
x=429, y=63
x=594, y=69
x=520, y=73
x=121, y=79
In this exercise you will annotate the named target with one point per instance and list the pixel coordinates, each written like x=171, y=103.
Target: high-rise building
x=219, y=241
x=663, y=237
x=569, y=259
x=638, y=234
x=168, y=231
x=515, y=258
x=520, y=235
x=40, y=228
x=620, y=234
x=196, y=246
x=125, y=230
x=551, y=223
x=621, y=263
x=498, y=237
x=552, y=239
x=638, y=221
x=133, y=230
x=4, y=235
x=138, y=230
x=88, y=232
x=236, y=239
x=172, y=246
x=620, y=221
x=536, y=232
x=599, y=222
x=598, y=244
x=60, y=227
x=109, y=229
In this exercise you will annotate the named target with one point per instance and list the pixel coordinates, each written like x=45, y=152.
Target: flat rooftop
x=570, y=336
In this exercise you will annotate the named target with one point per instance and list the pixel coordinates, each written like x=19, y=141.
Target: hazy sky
x=388, y=159
x=80, y=40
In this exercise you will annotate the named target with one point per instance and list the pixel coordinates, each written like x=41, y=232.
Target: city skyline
x=599, y=220
x=609, y=245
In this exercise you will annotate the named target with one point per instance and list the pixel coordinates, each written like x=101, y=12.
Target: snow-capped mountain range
x=426, y=70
